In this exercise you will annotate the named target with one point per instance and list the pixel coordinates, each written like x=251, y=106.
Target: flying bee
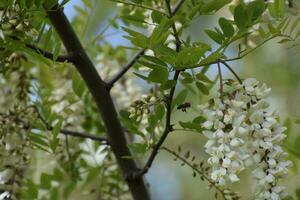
x=184, y=106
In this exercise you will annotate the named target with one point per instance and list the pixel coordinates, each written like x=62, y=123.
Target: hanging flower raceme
x=243, y=132
x=14, y=21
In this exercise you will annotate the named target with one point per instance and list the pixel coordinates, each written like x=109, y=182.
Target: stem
x=46, y=54
x=221, y=81
x=98, y=89
x=239, y=56
x=196, y=170
x=124, y=69
x=138, y=5
x=232, y=71
x=84, y=135
x=137, y=56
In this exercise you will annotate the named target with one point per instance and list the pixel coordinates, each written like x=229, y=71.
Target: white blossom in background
x=243, y=132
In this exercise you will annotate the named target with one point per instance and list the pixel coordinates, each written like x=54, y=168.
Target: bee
x=184, y=106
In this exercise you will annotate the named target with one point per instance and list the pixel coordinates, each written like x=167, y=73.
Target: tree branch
x=46, y=54
x=98, y=89
x=169, y=100
x=124, y=69
x=139, y=54
x=85, y=135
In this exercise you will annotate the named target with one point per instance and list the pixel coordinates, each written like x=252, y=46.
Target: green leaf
x=158, y=75
x=57, y=127
x=217, y=37
x=133, y=18
x=161, y=32
x=211, y=58
x=45, y=181
x=57, y=49
x=294, y=25
x=156, y=17
x=191, y=125
x=297, y=142
x=40, y=140
x=202, y=88
x=284, y=41
x=200, y=76
x=187, y=80
x=160, y=111
x=155, y=60
x=277, y=8
x=213, y=5
x=78, y=85
x=226, y=27
x=180, y=98
x=256, y=8
x=288, y=125
x=131, y=32
x=47, y=39
x=139, y=148
x=64, y=2
x=136, y=38
x=162, y=49
x=168, y=84
x=190, y=55
x=241, y=17
x=298, y=194
x=31, y=192
x=55, y=131
x=141, y=76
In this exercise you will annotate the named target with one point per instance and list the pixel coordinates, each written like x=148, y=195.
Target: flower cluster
x=14, y=152
x=14, y=22
x=243, y=132
x=142, y=107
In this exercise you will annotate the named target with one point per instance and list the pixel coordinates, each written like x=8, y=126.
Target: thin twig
x=202, y=174
x=221, y=81
x=137, y=56
x=69, y=132
x=139, y=5
x=239, y=56
x=84, y=135
x=232, y=71
x=46, y=54
x=124, y=69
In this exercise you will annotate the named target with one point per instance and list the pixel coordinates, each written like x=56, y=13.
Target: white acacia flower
x=244, y=132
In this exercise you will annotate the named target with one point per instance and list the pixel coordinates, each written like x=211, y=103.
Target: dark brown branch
x=85, y=135
x=124, y=69
x=169, y=100
x=98, y=89
x=46, y=54
x=137, y=56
